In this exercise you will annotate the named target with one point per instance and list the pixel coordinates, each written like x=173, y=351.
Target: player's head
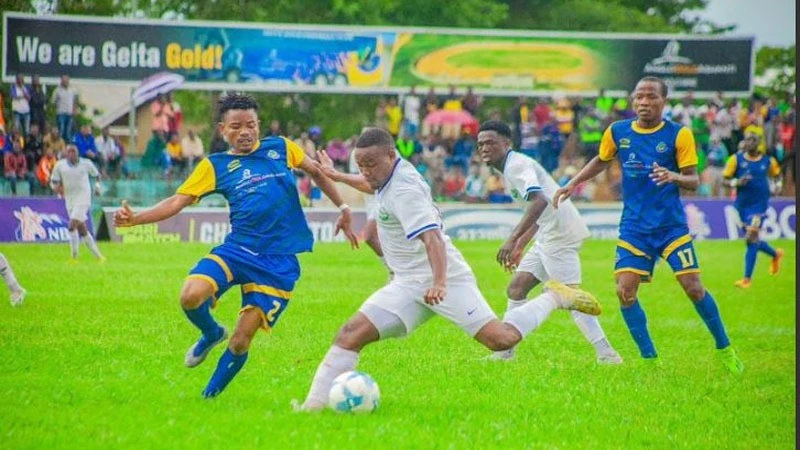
x=238, y=122
x=750, y=143
x=375, y=156
x=648, y=98
x=72, y=153
x=494, y=141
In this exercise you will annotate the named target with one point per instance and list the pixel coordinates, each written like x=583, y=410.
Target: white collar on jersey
x=394, y=169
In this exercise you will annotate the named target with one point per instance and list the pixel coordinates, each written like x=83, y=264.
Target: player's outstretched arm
x=521, y=234
x=589, y=171
x=356, y=181
x=437, y=257
x=344, y=223
x=125, y=217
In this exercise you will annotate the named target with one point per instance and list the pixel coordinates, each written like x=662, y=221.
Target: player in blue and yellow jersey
x=268, y=229
x=749, y=171
x=658, y=157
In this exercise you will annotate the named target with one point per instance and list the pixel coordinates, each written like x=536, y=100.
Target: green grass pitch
x=94, y=359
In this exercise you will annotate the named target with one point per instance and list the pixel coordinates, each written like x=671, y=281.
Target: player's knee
x=626, y=295
x=499, y=338
x=515, y=291
x=239, y=343
x=192, y=296
x=354, y=335
x=695, y=290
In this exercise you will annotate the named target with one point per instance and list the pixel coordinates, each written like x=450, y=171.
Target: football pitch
x=94, y=359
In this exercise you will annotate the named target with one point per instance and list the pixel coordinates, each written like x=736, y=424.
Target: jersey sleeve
x=416, y=212
x=774, y=167
x=521, y=176
x=730, y=167
x=294, y=154
x=608, y=149
x=202, y=181
x=92, y=169
x=685, y=148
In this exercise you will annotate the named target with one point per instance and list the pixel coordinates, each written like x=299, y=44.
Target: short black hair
x=236, y=101
x=498, y=127
x=664, y=88
x=377, y=137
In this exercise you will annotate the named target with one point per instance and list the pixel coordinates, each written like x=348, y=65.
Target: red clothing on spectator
x=542, y=114
x=15, y=164
x=788, y=131
x=44, y=169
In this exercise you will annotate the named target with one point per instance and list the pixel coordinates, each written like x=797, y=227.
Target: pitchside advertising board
x=316, y=58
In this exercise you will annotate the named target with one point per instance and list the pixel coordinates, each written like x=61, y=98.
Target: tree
x=778, y=68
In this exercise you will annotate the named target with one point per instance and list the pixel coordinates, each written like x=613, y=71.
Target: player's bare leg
x=196, y=301
x=250, y=321
x=74, y=239
x=17, y=291
x=707, y=309
x=341, y=357
x=88, y=239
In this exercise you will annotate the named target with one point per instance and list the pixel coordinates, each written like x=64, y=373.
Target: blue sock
x=766, y=248
x=750, y=259
x=707, y=308
x=201, y=318
x=227, y=368
x=636, y=321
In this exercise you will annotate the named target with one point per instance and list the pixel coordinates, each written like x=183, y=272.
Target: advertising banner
x=34, y=220
x=316, y=58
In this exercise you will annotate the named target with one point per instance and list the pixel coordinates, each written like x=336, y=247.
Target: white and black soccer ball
x=354, y=392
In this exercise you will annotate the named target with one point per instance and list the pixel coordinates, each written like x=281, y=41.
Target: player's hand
x=505, y=254
x=435, y=294
x=344, y=223
x=662, y=176
x=124, y=217
x=562, y=194
x=326, y=163
x=744, y=180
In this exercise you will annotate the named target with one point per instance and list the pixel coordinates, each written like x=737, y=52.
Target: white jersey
x=406, y=210
x=75, y=180
x=562, y=227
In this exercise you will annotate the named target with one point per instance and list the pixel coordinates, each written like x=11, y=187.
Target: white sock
x=529, y=316
x=336, y=362
x=8, y=275
x=74, y=242
x=89, y=241
x=593, y=332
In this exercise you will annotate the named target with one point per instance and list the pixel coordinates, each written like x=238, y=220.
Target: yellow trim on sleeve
x=628, y=246
x=608, y=149
x=269, y=290
x=684, y=272
x=675, y=244
x=294, y=154
x=264, y=324
x=202, y=180
x=223, y=265
x=730, y=167
x=774, y=167
x=685, y=148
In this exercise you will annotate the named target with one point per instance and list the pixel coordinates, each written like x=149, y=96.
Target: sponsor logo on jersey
x=233, y=165
x=273, y=154
x=661, y=147
x=624, y=143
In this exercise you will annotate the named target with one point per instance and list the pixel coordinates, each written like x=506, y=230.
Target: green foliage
x=93, y=360
x=782, y=62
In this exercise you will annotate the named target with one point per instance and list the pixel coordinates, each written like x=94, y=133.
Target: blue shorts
x=266, y=281
x=749, y=219
x=638, y=252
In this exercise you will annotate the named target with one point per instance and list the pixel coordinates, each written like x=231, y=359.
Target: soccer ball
x=354, y=392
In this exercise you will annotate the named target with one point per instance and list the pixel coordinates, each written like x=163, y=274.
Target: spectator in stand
x=591, y=129
x=54, y=141
x=305, y=142
x=338, y=152
x=474, y=188
x=432, y=102
x=542, y=113
x=274, y=129
x=463, y=150
x=175, y=152
x=411, y=107
x=20, y=105
x=452, y=102
x=123, y=160
x=529, y=144
x=38, y=102
x=565, y=118
x=155, y=153
x=550, y=145
x=34, y=147
x=394, y=117
x=192, y=148
x=471, y=102
x=603, y=106
x=45, y=168
x=175, y=121
x=432, y=157
x=685, y=111
x=65, y=98
x=13, y=136
x=495, y=189
x=109, y=153
x=218, y=144
x=87, y=148
x=700, y=128
x=2, y=115
x=381, y=121
x=519, y=115
x=788, y=132
x=162, y=113
x=622, y=109
x=408, y=146
x=716, y=157
x=15, y=166
x=315, y=134
x=454, y=183
x=722, y=126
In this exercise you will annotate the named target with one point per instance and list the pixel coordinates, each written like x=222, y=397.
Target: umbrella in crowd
x=160, y=83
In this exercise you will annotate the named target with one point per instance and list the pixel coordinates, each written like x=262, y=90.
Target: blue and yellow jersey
x=647, y=207
x=265, y=212
x=752, y=197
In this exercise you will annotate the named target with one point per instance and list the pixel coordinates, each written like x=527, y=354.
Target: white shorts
x=371, y=206
x=560, y=263
x=78, y=212
x=463, y=305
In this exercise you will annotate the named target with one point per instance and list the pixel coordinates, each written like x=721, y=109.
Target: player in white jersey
x=559, y=234
x=431, y=276
x=17, y=291
x=70, y=179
